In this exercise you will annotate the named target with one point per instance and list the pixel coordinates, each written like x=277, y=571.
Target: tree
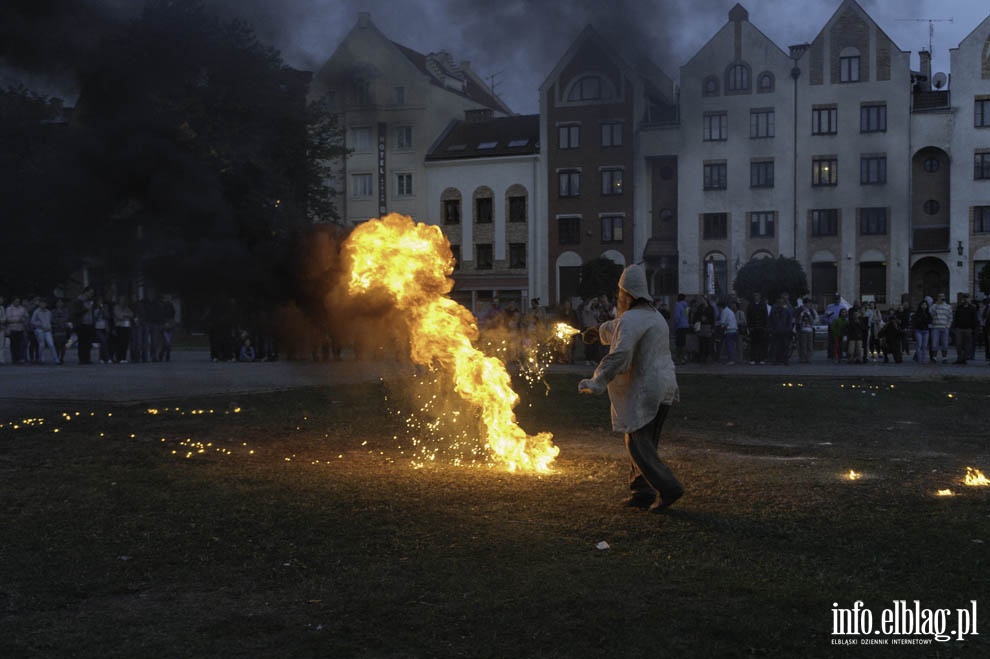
x=771, y=277
x=212, y=154
x=983, y=279
x=599, y=277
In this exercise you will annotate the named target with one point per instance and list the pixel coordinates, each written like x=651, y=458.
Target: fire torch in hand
x=590, y=335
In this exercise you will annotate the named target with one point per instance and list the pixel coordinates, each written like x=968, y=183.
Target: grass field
x=293, y=525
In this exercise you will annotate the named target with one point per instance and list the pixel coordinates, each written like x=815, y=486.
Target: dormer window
x=764, y=83
x=590, y=88
x=849, y=63
x=737, y=78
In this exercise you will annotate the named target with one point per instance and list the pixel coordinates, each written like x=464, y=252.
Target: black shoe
x=639, y=501
x=668, y=501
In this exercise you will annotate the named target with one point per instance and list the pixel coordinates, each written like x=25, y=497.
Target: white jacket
x=638, y=370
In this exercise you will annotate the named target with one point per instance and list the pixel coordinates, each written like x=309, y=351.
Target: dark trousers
x=647, y=473
x=84, y=348
x=757, y=344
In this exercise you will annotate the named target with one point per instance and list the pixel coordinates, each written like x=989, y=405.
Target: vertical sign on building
x=382, y=179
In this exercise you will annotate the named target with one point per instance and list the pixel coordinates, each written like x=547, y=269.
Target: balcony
x=930, y=239
x=925, y=101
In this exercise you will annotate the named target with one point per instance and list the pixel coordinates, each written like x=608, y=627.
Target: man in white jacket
x=639, y=374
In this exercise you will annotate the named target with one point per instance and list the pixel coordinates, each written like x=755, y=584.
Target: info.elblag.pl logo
x=901, y=624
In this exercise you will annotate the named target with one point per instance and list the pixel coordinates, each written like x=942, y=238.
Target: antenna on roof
x=493, y=83
x=931, y=27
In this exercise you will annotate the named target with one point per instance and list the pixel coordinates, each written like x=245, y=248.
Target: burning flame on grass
x=975, y=478
x=945, y=493
x=854, y=475
x=411, y=263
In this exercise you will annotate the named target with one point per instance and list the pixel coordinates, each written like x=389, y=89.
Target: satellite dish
x=939, y=80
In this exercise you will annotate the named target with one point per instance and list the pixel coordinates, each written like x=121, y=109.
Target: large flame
x=411, y=263
x=975, y=478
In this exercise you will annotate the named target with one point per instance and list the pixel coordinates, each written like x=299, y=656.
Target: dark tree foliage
x=983, y=279
x=208, y=157
x=770, y=278
x=599, y=277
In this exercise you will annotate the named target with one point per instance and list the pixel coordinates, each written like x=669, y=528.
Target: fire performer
x=639, y=375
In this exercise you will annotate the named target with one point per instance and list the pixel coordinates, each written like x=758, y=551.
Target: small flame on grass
x=853, y=475
x=945, y=493
x=975, y=478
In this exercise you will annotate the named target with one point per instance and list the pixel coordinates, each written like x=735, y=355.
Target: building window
x=483, y=210
x=612, y=133
x=569, y=137
x=611, y=181
x=825, y=121
x=362, y=91
x=873, y=221
x=590, y=88
x=569, y=230
x=981, y=219
x=981, y=166
x=824, y=171
x=360, y=185
x=825, y=222
x=715, y=226
x=451, y=211
x=714, y=176
x=873, y=118
x=398, y=95
x=361, y=138
x=765, y=83
x=611, y=228
x=569, y=183
x=872, y=170
x=761, y=224
x=873, y=281
x=849, y=68
x=715, y=127
x=710, y=86
x=483, y=256
x=931, y=164
x=737, y=78
x=517, y=255
x=402, y=138
x=403, y=185
x=761, y=174
x=981, y=112
x=931, y=207
x=761, y=123
x=517, y=209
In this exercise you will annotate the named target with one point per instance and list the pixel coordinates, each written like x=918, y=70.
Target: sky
x=515, y=41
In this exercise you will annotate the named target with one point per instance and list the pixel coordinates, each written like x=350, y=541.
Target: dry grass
x=323, y=541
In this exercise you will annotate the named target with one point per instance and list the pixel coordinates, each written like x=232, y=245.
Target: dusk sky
x=516, y=41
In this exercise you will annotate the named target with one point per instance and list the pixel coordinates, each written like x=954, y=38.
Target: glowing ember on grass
x=945, y=493
x=854, y=475
x=975, y=478
x=411, y=264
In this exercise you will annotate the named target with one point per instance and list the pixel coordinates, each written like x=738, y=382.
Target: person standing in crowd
x=33, y=349
x=758, y=317
x=857, y=332
x=101, y=326
x=640, y=378
x=837, y=333
x=921, y=322
x=682, y=326
x=984, y=318
x=60, y=329
x=123, y=319
x=876, y=325
x=891, y=337
x=907, y=332
x=167, y=317
x=742, y=335
x=153, y=325
x=730, y=331
x=781, y=323
x=41, y=324
x=941, y=320
x=82, y=323
x=807, y=318
x=705, y=319
x=964, y=322
x=17, y=322
x=831, y=313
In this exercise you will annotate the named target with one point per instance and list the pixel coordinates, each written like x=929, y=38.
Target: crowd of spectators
x=39, y=330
